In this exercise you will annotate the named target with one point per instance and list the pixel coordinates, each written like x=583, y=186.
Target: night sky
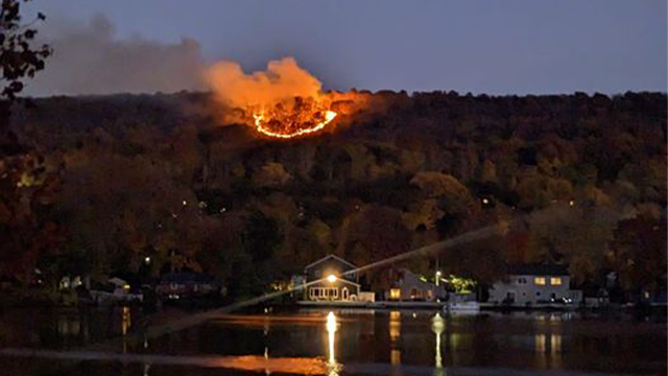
x=496, y=47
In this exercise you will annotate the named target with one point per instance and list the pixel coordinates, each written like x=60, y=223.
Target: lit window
x=540, y=281
x=395, y=293
x=555, y=281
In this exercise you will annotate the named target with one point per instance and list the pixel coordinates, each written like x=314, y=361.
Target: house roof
x=408, y=277
x=324, y=280
x=328, y=257
x=538, y=269
x=186, y=277
x=117, y=281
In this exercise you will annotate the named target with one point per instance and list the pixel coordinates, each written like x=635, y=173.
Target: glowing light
x=261, y=122
x=126, y=320
x=331, y=278
x=485, y=201
x=437, y=326
x=331, y=329
x=395, y=294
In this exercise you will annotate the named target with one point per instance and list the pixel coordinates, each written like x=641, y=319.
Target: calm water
x=346, y=342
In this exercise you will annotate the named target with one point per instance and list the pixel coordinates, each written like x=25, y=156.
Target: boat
x=462, y=307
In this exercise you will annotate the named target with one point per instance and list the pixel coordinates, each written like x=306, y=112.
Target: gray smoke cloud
x=89, y=59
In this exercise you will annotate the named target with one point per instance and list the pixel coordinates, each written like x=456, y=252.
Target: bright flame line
x=329, y=116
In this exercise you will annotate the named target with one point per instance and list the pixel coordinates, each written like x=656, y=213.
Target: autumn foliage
x=160, y=176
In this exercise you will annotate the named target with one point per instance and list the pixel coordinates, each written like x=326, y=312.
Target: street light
x=331, y=278
x=438, y=276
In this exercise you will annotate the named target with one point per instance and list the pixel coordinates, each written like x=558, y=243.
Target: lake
x=343, y=342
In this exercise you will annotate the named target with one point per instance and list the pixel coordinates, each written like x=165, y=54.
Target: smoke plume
x=89, y=59
x=280, y=83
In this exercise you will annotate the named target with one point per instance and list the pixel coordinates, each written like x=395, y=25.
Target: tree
x=639, y=252
x=28, y=186
x=18, y=58
x=579, y=237
x=373, y=234
x=120, y=209
x=272, y=175
x=27, y=179
x=453, y=200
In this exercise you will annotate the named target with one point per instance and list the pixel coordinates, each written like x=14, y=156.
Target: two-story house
x=534, y=284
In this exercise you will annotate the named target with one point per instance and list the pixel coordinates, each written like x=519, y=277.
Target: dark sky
x=497, y=47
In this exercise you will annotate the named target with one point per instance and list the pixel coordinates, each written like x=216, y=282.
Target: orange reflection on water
x=255, y=363
x=304, y=366
x=395, y=326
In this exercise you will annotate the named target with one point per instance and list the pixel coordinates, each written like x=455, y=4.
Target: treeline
x=113, y=180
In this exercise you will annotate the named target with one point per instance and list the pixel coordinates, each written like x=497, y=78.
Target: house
x=179, y=285
x=331, y=279
x=530, y=284
x=411, y=287
x=114, y=291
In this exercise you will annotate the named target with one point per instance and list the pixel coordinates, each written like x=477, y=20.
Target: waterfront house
x=179, y=285
x=531, y=284
x=331, y=279
x=411, y=287
x=116, y=290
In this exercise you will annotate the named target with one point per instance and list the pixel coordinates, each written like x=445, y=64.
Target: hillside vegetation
x=113, y=180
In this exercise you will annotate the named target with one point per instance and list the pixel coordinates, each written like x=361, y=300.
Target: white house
x=331, y=279
x=535, y=284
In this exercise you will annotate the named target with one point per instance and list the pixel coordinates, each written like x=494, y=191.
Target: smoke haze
x=280, y=82
x=88, y=59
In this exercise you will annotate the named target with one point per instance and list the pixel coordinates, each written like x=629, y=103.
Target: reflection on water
x=69, y=325
x=437, y=326
x=337, y=342
x=126, y=320
x=395, y=335
x=555, y=353
x=540, y=343
x=331, y=329
x=126, y=324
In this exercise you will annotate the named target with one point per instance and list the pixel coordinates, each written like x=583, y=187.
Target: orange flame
x=260, y=126
x=284, y=101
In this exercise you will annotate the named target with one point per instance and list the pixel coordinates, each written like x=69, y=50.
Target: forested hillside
x=116, y=179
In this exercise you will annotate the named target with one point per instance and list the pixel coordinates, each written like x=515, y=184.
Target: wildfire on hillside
x=283, y=102
x=304, y=117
